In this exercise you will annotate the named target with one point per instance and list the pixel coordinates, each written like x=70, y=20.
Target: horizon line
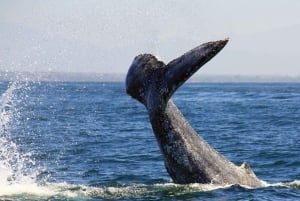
x=118, y=77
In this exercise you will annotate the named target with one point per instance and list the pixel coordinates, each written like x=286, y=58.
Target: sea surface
x=90, y=141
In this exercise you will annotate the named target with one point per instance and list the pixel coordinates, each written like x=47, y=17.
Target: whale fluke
x=188, y=158
x=146, y=68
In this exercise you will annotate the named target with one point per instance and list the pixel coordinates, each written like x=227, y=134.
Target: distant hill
x=113, y=77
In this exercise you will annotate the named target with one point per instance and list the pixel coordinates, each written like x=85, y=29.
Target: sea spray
x=15, y=167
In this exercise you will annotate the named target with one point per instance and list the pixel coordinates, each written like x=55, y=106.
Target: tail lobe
x=181, y=69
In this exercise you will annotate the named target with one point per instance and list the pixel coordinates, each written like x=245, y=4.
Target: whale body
x=187, y=156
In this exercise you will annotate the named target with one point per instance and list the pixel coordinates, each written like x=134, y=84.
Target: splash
x=65, y=190
x=116, y=192
x=292, y=184
x=13, y=164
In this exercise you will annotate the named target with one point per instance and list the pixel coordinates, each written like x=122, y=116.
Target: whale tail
x=147, y=72
x=182, y=68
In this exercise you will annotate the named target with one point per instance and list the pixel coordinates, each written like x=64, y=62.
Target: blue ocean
x=91, y=141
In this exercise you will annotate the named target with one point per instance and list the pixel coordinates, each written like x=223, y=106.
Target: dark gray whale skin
x=188, y=157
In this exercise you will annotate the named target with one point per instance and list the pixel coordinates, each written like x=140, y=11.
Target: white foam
x=295, y=183
x=69, y=190
x=29, y=187
x=24, y=188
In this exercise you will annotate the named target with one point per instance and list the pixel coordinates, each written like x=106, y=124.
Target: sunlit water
x=90, y=141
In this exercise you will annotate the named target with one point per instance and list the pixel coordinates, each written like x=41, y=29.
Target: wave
x=38, y=192
x=292, y=184
x=81, y=191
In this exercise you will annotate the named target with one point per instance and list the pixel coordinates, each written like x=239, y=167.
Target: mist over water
x=90, y=141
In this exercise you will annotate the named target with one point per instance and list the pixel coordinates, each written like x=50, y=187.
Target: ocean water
x=90, y=141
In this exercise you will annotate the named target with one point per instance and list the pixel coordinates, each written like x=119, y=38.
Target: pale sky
x=103, y=36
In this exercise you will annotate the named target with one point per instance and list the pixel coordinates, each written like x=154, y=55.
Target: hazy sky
x=104, y=35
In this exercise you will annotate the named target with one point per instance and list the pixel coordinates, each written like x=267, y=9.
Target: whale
x=188, y=158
